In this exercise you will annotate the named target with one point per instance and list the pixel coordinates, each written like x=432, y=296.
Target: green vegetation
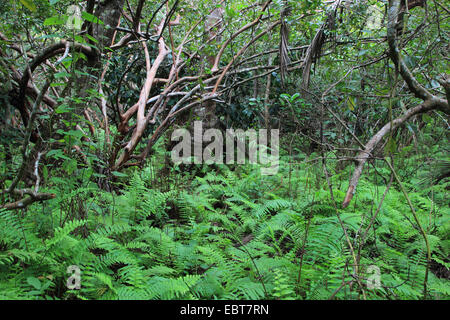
x=359, y=208
x=225, y=235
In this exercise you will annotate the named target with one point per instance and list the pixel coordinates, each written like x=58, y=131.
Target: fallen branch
x=34, y=197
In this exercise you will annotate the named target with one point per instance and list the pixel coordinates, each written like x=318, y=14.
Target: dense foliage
x=228, y=235
x=359, y=208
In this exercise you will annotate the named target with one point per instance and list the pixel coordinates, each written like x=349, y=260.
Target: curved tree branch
x=50, y=52
x=365, y=154
x=431, y=102
x=141, y=121
x=394, y=53
x=215, y=67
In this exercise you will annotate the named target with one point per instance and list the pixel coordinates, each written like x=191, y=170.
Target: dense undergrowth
x=228, y=233
x=91, y=90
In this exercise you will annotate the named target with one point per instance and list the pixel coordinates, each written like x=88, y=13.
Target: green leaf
x=57, y=154
x=55, y=84
x=79, y=39
x=62, y=74
x=53, y=21
x=74, y=133
x=426, y=118
x=390, y=147
x=295, y=96
x=35, y=282
x=45, y=172
x=70, y=166
x=285, y=96
x=29, y=5
x=91, y=18
x=91, y=38
x=351, y=103
x=119, y=174
x=63, y=108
